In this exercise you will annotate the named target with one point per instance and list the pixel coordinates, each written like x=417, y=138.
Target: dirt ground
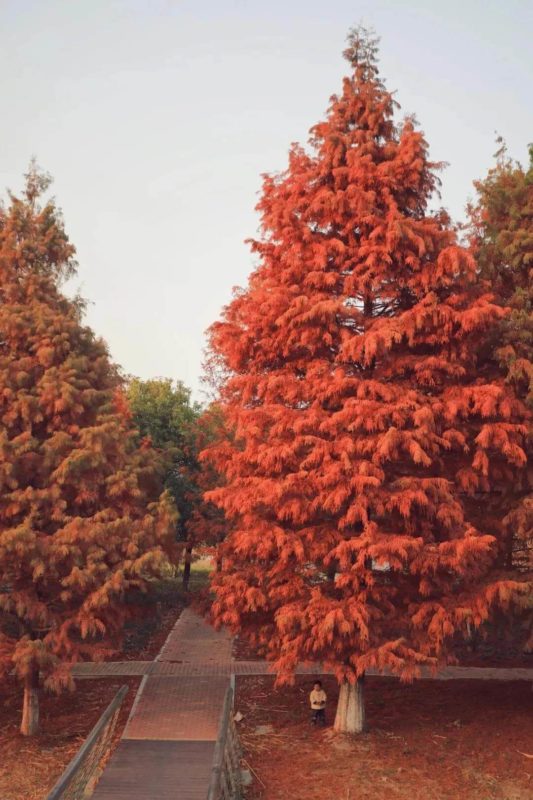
x=432, y=740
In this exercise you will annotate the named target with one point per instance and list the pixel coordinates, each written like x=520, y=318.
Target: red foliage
x=365, y=429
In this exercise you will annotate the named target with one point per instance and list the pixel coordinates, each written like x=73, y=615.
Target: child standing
x=318, y=698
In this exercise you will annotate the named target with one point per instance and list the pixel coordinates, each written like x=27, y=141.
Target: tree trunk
x=350, y=716
x=528, y=645
x=187, y=567
x=30, y=709
x=471, y=637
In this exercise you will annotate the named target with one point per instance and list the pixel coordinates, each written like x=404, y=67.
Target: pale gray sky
x=156, y=119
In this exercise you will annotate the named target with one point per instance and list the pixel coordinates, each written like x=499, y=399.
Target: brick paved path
x=166, y=750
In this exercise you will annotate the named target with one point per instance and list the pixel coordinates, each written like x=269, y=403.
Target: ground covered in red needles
x=432, y=740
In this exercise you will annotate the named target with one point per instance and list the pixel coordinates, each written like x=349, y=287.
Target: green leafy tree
x=165, y=414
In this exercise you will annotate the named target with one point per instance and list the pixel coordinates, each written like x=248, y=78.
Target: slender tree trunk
x=30, y=709
x=218, y=556
x=350, y=717
x=528, y=645
x=471, y=637
x=187, y=567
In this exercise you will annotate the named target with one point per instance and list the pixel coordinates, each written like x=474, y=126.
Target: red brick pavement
x=178, y=709
x=193, y=639
x=176, y=706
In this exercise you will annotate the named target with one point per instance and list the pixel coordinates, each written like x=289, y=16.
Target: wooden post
x=187, y=567
x=218, y=777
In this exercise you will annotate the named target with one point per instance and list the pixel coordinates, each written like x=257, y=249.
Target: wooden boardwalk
x=157, y=770
x=166, y=750
x=112, y=669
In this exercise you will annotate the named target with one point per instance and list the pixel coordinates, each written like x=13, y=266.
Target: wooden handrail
x=85, y=750
x=220, y=747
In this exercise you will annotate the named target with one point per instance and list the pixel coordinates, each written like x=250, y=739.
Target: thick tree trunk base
x=350, y=716
x=30, y=708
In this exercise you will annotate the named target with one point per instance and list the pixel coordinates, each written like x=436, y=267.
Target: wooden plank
x=111, y=669
x=190, y=669
x=150, y=770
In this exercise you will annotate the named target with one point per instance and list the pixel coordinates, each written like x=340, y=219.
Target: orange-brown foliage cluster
x=82, y=517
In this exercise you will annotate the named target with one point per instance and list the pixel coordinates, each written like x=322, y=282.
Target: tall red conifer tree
x=364, y=430
x=82, y=517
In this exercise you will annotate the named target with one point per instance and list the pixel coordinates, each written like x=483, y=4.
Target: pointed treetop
x=33, y=224
x=362, y=50
x=37, y=181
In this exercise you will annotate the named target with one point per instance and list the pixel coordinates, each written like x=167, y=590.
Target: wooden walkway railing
x=226, y=782
x=79, y=778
